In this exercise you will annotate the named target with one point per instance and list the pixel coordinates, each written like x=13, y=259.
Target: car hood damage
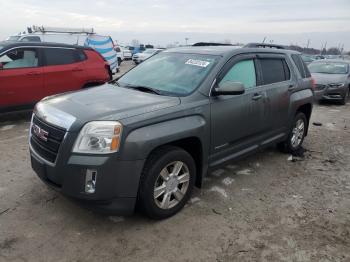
x=107, y=102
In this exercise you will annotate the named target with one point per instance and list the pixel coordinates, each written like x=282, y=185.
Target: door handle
x=291, y=87
x=257, y=96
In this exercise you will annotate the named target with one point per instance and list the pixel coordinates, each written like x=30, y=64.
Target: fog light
x=90, y=181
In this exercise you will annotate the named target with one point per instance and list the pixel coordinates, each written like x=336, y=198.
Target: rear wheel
x=296, y=135
x=167, y=182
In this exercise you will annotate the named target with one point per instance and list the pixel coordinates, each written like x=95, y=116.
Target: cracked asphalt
x=267, y=207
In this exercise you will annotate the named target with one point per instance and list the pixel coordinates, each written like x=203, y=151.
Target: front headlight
x=99, y=137
x=336, y=85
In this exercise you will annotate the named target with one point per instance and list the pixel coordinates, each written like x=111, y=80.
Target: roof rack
x=210, y=44
x=47, y=29
x=263, y=45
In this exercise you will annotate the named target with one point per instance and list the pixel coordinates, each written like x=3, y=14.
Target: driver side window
x=19, y=58
x=243, y=72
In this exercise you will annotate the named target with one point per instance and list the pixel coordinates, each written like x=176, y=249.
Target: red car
x=32, y=71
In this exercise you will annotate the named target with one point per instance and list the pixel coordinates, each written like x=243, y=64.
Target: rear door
x=277, y=83
x=64, y=70
x=21, y=77
x=237, y=121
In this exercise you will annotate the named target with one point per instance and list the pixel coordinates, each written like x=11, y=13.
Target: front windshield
x=329, y=68
x=171, y=73
x=13, y=38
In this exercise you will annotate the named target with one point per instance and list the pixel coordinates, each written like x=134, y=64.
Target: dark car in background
x=307, y=59
x=332, y=79
x=31, y=71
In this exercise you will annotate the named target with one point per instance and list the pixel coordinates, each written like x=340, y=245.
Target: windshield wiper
x=114, y=82
x=145, y=89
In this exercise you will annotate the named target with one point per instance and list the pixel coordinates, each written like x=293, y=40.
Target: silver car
x=332, y=79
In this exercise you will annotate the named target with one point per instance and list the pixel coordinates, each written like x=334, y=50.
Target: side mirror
x=229, y=88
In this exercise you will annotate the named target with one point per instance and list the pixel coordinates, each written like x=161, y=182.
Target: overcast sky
x=168, y=21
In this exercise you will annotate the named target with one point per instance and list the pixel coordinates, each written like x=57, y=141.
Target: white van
x=72, y=36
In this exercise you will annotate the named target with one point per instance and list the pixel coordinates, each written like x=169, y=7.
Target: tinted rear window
x=302, y=68
x=274, y=70
x=57, y=56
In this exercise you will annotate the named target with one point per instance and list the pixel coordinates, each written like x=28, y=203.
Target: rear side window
x=274, y=70
x=81, y=55
x=243, y=72
x=58, y=56
x=302, y=68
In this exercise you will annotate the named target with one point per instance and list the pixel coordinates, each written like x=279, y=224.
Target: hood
x=107, y=102
x=325, y=79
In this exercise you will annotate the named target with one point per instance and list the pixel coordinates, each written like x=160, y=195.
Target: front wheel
x=346, y=97
x=296, y=135
x=167, y=182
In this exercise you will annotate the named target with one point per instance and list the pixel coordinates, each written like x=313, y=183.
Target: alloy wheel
x=171, y=185
x=298, y=133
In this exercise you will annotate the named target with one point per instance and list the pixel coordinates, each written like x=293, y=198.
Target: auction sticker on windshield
x=197, y=62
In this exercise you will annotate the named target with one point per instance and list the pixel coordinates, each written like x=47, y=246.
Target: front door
x=237, y=120
x=21, y=77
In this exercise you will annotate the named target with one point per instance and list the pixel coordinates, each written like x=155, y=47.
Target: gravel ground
x=267, y=207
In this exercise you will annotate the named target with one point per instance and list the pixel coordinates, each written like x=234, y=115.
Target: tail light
x=313, y=84
x=108, y=68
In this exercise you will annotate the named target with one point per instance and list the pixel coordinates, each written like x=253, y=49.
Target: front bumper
x=337, y=93
x=116, y=185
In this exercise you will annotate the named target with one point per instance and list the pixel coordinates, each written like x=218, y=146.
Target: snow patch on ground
x=7, y=127
x=331, y=126
x=195, y=200
x=228, y=181
x=219, y=190
x=245, y=172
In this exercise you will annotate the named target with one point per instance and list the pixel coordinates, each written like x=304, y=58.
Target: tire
x=291, y=145
x=345, y=98
x=172, y=194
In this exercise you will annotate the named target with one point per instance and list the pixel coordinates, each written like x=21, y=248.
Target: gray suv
x=150, y=137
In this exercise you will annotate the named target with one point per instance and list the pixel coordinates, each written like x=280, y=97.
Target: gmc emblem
x=39, y=132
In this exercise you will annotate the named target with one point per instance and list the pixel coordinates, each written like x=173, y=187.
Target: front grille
x=46, y=146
